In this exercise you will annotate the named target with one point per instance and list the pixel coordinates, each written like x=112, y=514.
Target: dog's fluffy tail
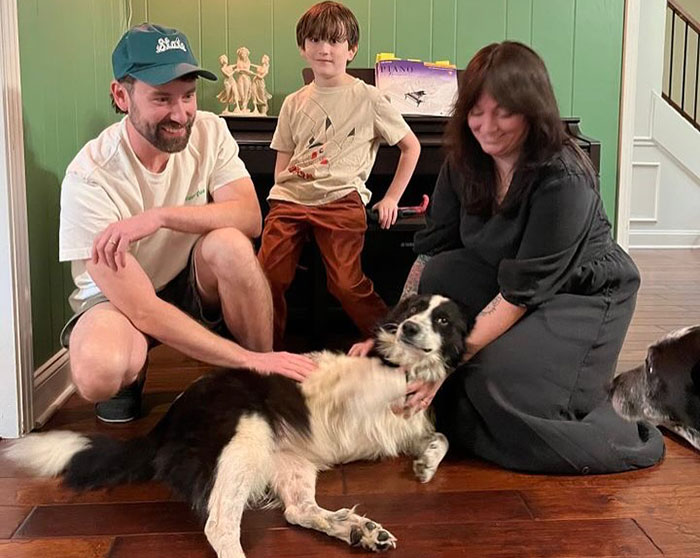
x=85, y=462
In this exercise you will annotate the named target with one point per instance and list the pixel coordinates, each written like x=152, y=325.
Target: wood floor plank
x=677, y=501
x=545, y=539
x=66, y=547
x=452, y=507
x=674, y=536
x=42, y=491
x=10, y=519
x=83, y=520
x=159, y=546
x=29, y=491
x=681, y=464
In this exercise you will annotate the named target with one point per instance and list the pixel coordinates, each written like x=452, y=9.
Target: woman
x=518, y=234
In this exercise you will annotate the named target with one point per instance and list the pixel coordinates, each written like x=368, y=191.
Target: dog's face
x=425, y=334
x=665, y=390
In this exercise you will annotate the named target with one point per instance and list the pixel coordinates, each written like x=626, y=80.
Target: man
x=152, y=258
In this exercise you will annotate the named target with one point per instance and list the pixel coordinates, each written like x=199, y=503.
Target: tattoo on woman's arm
x=491, y=306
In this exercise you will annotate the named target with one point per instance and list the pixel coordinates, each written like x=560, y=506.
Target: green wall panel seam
x=396, y=32
x=200, y=52
x=573, y=60
x=226, y=34
x=272, y=49
x=430, y=37
x=369, y=21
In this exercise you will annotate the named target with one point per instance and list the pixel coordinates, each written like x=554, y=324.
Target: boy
x=326, y=140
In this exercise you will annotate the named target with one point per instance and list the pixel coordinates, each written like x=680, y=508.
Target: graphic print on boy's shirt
x=324, y=146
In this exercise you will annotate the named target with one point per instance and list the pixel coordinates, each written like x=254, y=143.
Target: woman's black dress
x=535, y=399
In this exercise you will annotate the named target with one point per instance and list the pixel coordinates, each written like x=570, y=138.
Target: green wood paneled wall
x=65, y=50
x=65, y=86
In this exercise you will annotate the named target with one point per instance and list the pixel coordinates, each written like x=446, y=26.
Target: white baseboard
x=664, y=239
x=52, y=387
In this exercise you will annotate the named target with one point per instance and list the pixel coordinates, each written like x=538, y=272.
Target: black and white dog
x=665, y=390
x=237, y=438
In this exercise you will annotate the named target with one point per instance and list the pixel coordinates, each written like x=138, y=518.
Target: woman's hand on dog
x=296, y=367
x=362, y=348
x=419, y=396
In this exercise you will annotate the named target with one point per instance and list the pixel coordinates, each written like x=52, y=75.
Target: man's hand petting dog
x=296, y=367
x=419, y=395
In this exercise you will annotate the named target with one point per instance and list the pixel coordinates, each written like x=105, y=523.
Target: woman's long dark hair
x=516, y=77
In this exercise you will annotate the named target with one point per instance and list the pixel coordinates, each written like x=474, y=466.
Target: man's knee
x=97, y=374
x=102, y=363
x=229, y=253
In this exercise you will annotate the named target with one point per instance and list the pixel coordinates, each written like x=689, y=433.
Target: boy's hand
x=388, y=210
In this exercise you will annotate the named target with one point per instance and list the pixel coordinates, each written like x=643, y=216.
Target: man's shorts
x=181, y=292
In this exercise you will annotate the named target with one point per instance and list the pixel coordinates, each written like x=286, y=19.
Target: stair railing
x=682, y=55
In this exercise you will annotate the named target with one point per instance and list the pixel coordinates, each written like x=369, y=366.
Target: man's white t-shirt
x=333, y=134
x=106, y=183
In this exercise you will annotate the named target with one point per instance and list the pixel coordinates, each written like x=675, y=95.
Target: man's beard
x=157, y=137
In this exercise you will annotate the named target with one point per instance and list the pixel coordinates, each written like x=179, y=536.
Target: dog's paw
x=422, y=469
x=427, y=464
x=372, y=536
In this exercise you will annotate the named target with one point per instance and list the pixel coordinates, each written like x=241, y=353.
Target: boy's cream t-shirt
x=333, y=134
x=106, y=183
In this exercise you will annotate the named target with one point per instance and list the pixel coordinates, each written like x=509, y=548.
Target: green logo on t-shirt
x=196, y=194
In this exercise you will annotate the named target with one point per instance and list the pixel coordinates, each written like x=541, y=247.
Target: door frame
x=16, y=350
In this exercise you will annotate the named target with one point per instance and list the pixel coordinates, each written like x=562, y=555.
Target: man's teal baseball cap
x=156, y=55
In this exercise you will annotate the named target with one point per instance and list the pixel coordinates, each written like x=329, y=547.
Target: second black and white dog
x=237, y=438
x=665, y=390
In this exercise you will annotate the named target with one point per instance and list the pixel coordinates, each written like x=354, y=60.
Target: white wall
x=665, y=184
x=691, y=6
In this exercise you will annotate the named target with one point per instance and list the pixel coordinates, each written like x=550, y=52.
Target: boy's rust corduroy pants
x=339, y=229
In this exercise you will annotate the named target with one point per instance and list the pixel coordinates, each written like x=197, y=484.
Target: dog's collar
x=380, y=356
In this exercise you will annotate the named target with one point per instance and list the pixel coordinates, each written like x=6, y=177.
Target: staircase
x=665, y=192
x=681, y=57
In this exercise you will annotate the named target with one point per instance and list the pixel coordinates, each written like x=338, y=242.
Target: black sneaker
x=125, y=406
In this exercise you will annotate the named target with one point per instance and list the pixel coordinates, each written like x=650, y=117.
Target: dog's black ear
x=695, y=375
x=469, y=318
x=395, y=314
x=454, y=346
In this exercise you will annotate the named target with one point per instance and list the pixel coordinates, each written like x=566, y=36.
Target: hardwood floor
x=470, y=509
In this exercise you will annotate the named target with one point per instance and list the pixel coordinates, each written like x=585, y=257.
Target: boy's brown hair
x=328, y=21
